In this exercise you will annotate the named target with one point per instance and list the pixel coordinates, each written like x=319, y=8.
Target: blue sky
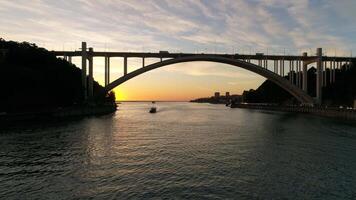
x=222, y=26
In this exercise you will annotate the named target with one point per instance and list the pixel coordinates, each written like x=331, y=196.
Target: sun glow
x=120, y=95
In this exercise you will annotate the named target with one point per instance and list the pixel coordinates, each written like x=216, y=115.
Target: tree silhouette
x=33, y=79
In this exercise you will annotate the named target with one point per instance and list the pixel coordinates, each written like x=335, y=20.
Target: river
x=184, y=151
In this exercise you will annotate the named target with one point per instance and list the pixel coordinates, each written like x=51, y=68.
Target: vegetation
x=341, y=92
x=33, y=79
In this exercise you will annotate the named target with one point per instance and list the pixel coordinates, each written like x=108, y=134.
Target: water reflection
x=185, y=151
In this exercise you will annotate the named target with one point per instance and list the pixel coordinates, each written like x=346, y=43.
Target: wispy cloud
x=183, y=25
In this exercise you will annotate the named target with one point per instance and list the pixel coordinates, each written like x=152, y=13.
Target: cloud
x=184, y=26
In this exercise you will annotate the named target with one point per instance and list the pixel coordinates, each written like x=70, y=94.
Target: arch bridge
x=287, y=71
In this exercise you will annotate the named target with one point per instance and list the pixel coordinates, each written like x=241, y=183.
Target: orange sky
x=181, y=82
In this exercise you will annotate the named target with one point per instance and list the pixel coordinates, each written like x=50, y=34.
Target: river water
x=184, y=151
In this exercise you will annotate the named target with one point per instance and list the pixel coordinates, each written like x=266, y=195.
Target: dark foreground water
x=185, y=151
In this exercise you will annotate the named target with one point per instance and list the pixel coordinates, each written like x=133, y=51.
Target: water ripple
x=184, y=151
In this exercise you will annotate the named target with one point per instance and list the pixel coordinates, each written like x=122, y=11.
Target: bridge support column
x=332, y=63
x=290, y=71
x=301, y=74
x=90, y=78
x=324, y=73
x=84, y=70
x=305, y=74
x=319, y=75
x=297, y=73
x=330, y=72
x=125, y=66
x=335, y=69
x=70, y=59
x=143, y=61
x=282, y=67
x=106, y=71
x=265, y=64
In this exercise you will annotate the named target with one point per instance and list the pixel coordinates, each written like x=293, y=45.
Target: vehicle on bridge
x=163, y=52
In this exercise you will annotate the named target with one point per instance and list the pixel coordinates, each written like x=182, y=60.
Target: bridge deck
x=177, y=55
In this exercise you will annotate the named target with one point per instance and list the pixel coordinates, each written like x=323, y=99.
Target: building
x=227, y=95
x=217, y=95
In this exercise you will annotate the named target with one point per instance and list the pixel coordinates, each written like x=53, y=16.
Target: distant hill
x=341, y=92
x=32, y=78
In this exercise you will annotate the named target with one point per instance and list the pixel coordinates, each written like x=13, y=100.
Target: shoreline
x=334, y=113
x=59, y=113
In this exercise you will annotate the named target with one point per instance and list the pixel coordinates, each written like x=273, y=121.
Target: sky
x=197, y=26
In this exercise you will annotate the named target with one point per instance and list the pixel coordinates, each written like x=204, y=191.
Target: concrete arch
x=298, y=93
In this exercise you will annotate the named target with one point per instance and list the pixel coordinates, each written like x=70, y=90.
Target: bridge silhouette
x=295, y=67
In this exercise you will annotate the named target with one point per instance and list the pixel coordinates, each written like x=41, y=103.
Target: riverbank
x=347, y=114
x=58, y=113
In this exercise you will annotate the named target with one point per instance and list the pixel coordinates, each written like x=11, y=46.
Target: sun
x=120, y=95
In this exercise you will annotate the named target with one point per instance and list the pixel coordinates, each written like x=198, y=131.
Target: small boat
x=153, y=108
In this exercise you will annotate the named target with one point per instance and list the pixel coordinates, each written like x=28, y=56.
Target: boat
x=153, y=108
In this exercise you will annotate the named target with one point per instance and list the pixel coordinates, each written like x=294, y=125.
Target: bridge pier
x=300, y=74
x=143, y=62
x=319, y=75
x=282, y=67
x=84, y=70
x=324, y=73
x=107, y=70
x=90, y=78
x=296, y=73
x=125, y=66
x=305, y=74
x=332, y=66
x=290, y=71
x=265, y=64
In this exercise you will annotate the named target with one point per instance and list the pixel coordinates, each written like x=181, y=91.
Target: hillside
x=341, y=92
x=33, y=79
